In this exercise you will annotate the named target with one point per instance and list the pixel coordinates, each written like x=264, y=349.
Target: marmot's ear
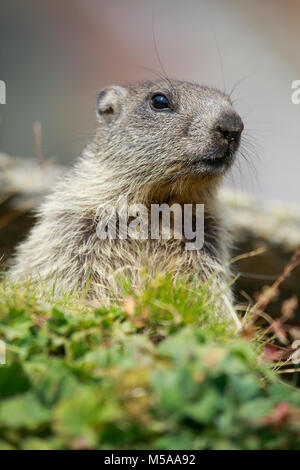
x=110, y=102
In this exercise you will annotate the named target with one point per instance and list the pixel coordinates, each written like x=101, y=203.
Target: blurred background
x=56, y=55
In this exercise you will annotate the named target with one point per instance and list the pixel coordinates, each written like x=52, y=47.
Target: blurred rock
x=274, y=222
x=23, y=183
x=272, y=227
x=25, y=180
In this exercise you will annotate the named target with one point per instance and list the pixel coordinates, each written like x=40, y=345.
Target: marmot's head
x=161, y=131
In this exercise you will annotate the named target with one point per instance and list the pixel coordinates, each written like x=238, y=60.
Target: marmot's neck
x=92, y=183
x=186, y=190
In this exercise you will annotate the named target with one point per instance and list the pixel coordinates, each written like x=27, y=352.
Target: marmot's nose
x=230, y=126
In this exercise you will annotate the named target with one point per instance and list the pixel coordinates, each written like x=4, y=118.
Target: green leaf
x=206, y=407
x=25, y=411
x=255, y=408
x=13, y=380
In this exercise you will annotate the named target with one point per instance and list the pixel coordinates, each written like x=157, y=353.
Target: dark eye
x=159, y=101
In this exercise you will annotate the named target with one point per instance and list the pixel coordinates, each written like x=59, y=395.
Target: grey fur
x=148, y=156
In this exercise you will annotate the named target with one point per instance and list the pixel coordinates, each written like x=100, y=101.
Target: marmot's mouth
x=214, y=164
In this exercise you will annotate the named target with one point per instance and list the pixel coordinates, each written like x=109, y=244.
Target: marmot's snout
x=224, y=135
x=228, y=129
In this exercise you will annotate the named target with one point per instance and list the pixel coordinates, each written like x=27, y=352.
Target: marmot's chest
x=186, y=238
x=177, y=247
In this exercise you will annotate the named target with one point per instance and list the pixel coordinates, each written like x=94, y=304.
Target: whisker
x=241, y=80
x=165, y=75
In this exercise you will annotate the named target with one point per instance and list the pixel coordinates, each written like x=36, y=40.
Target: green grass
x=157, y=370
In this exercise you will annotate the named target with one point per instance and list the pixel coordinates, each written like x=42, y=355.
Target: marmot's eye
x=159, y=101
